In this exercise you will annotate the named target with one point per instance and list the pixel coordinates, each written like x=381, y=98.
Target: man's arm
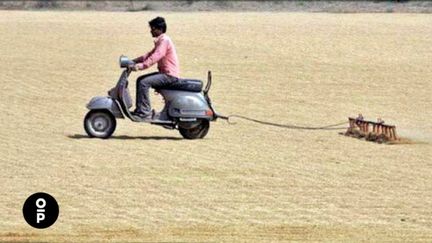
x=142, y=58
x=155, y=55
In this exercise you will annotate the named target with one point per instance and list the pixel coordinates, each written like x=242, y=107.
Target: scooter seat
x=193, y=85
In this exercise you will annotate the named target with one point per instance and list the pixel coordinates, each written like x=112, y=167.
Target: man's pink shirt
x=164, y=54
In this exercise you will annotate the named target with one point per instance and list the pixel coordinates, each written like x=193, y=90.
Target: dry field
x=243, y=182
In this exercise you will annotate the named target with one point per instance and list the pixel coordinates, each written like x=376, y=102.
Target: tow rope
x=327, y=127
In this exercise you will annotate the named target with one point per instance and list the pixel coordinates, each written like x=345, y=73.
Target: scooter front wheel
x=99, y=123
x=199, y=131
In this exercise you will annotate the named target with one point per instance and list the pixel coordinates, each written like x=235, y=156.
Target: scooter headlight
x=124, y=61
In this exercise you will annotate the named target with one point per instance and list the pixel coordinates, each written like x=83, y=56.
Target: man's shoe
x=142, y=116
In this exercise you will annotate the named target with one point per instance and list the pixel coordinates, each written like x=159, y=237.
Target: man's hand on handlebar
x=137, y=67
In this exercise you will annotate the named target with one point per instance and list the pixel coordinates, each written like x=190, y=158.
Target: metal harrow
x=370, y=130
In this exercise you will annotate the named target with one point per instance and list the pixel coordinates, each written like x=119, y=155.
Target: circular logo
x=40, y=210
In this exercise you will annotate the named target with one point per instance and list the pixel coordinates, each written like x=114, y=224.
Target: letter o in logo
x=40, y=200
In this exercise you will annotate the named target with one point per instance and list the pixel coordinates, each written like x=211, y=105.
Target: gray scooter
x=187, y=107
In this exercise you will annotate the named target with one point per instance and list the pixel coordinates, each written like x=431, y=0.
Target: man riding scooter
x=164, y=54
x=187, y=105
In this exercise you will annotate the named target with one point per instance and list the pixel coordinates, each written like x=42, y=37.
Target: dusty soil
x=243, y=182
x=278, y=5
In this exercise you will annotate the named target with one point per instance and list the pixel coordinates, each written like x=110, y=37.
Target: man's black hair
x=158, y=23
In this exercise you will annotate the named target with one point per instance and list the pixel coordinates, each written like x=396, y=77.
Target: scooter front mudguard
x=105, y=103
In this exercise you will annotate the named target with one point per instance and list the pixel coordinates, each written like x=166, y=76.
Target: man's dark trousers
x=144, y=83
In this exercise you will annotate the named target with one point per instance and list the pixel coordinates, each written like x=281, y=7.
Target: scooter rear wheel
x=99, y=123
x=199, y=131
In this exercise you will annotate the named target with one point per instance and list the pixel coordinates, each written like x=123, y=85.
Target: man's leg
x=143, y=85
x=138, y=98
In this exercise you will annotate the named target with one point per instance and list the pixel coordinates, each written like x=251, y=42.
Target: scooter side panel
x=186, y=104
x=105, y=103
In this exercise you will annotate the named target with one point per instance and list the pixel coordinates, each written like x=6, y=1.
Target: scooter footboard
x=105, y=103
